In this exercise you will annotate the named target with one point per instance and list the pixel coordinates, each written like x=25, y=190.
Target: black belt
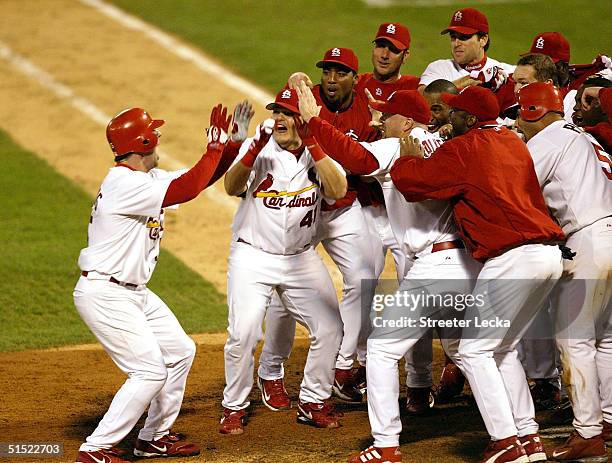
x=114, y=280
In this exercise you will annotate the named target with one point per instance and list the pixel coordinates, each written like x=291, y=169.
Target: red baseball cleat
x=606, y=434
x=360, y=379
x=577, y=448
x=533, y=447
x=344, y=388
x=273, y=394
x=419, y=400
x=111, y=455
x=170, y=445
x=377, y=455
x=319, y=415
x=507, y=450
x=451, y=384
x=233, y=421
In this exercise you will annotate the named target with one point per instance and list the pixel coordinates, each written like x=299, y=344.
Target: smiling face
x=590, y=117
x=285, y=133
x=387, y=60
x=337, y=83
x=467, y=49
x=523, y=75
x=440, y=111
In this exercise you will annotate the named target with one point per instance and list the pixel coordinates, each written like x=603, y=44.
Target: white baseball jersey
x=416, y=226
x=448, y=69
x=575, y=175
x=282, y=202
x=126, y=225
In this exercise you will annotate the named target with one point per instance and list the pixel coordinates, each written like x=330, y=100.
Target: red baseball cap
x=475, y=100
x=552, y=44
x=287, y=98
x=407, y=103
x=344, y=56
x=468, y=21
x=396, y=33
x=538, y=99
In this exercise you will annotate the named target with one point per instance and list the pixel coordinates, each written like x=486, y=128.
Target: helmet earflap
x=133, y=131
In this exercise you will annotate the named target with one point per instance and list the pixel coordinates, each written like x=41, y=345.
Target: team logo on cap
x=391, y=29
x=458, y=16
x=286, y=94
x=540, y=43
x=335, y=52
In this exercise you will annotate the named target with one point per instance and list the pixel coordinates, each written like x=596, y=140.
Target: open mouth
x=332, y=91
x=280, y=127
x=577, y=119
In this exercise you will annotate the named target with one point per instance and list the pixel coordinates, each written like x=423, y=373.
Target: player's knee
x=189, y=349
x=329, y=332
x=157, y=373
x=471, y=350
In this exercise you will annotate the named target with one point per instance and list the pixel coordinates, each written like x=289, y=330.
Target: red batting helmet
x=538, y=99
x=133, y=131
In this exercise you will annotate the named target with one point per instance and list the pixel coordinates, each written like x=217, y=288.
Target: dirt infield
x=59, y=396
x=50, y=49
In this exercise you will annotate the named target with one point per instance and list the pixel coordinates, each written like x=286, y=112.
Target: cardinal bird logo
x=264, y=185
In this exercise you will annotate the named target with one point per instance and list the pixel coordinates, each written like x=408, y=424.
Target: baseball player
x=504, y=221
x=281, y=176
x=570, y=76
x=470, y=65
x=566, y=159
x=342, y=234
x=426, y=233
x=135, y=327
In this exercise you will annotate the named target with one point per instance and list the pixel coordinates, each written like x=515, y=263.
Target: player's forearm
x=332, y=180
x=236, y=179
x=191, y=183
x=230, y=151
x=346, y=151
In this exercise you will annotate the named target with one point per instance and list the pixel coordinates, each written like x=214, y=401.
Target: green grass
x=44, y=225
x=267, y=40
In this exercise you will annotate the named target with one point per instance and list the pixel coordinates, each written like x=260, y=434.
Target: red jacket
x=353, y=122
x=489, y=177
x=383, y=90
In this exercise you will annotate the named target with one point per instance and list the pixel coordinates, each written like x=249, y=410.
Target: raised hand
x=376, y=114
x=307, y=102
x=296, y=78
x=243, y=113
x=492, y=78
x=219, y=125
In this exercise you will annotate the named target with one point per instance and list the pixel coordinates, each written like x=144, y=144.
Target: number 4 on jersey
x=309, y=218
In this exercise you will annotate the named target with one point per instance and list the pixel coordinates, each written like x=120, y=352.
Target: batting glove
x=219, y=125
x=242, y=118
x=261, y=138
x=492, y=78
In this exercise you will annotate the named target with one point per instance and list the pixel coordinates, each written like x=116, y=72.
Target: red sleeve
x=438, y=177
x=605, y=100
x=346, y=151
x=211, y=166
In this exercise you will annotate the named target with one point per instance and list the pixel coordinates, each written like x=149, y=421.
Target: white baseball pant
x=383, y=240
x=584, y=326
x=145, y=340
x=516, y=285
x=385, y=349
x=306, y=290
x=353, y=252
